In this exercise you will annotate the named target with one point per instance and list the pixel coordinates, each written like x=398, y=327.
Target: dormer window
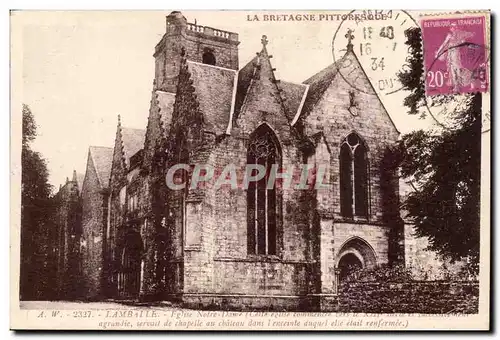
x=208, y=57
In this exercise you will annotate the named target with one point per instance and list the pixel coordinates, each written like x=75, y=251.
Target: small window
x=208, y=58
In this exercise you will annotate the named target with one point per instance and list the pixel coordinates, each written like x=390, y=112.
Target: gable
x=159, y=121
x=341, y=98
x=165, y=102
x=101, y=159
x=118, y=165
x=266, y=99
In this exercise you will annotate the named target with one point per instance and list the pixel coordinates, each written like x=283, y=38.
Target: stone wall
x=215, y=253
x=331, y=117
x=409, y=297
x=374, y=235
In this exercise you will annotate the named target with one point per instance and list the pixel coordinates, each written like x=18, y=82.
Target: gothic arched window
x=262, y=202
x=345, y=181
x=353, y=177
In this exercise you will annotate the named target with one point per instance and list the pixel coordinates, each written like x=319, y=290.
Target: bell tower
x=201, y=44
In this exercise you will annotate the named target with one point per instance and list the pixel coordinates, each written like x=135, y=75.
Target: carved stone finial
x=349, y=37
x=264, y=40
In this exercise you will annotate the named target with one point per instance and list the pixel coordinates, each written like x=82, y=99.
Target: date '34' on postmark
x=455, y=54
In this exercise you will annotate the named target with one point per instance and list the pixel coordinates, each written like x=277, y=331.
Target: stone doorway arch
x=354, y=254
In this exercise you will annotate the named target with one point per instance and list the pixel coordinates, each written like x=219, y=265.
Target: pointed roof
x=318, y=84
x=132, y=141
x=102, y=158
x=267, y=71
x=259, y=70
x=321, y=81
x=294, y=96
x=215, y=89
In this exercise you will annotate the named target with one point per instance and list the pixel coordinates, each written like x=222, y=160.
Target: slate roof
x=318, y=84
x=291, y=93
x=102, y=158
x=219, y=99
x=245, y=76
x=165, y=102
x=214, y=88
x=292, y=96
x=133, y=141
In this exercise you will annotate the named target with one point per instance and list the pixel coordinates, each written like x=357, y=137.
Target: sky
x=80, y=70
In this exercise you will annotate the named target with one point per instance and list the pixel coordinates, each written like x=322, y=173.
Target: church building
x=254, y=247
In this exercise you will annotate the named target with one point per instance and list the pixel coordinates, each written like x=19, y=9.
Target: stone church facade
x=252, y=247
x=247, y=247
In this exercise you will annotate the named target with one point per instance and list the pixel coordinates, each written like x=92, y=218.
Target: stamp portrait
x=455, y=54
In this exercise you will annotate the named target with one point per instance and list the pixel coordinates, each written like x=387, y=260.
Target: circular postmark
x=378, y=41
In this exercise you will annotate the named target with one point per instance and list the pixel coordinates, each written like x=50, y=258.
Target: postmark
x=378, y=45
x=455, y=54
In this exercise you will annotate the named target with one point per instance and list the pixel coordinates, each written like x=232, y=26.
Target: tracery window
x=262, y=202
x=353, y=177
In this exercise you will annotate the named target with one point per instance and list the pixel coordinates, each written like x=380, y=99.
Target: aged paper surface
x=228, y=170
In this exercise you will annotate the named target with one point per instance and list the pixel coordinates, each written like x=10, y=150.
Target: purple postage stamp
x=455, y=54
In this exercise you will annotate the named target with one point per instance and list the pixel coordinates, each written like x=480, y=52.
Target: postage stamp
x=456, y=53
x=249, y=170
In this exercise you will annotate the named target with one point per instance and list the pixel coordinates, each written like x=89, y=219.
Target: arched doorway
x=354, y=254
x=130, y=274
x=348, y=264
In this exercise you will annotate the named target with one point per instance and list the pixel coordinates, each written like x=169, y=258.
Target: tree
x=35, y=214
x=444, y=167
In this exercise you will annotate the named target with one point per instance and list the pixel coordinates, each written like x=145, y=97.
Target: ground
x=64, y=305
